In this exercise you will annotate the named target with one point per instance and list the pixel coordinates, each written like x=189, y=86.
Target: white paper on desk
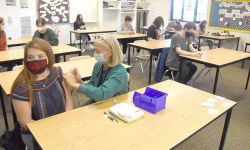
x=226, y=105
x=212, y=100
x=205, y=104
x=126, y=112
x=212, y=111
x=220, y=98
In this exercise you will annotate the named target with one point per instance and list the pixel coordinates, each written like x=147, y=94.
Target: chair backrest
x=79, y=57
x=15, y=68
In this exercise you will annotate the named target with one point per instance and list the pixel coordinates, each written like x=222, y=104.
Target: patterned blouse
x=48, y=95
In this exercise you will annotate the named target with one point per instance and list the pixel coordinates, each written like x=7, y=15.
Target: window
x=189, y=10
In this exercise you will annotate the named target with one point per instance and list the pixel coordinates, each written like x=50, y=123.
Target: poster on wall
x=10, y=2
x=56, y=11
x=24, y=3
x=230, y=15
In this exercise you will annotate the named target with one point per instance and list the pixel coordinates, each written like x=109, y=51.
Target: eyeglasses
x=98, y=37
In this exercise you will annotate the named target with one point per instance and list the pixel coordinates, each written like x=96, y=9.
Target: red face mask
x=37, y=66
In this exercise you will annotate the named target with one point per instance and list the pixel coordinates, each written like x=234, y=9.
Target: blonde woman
x=39, y=91
x=109, y=77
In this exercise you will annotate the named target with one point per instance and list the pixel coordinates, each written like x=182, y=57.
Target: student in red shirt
x=3, y=42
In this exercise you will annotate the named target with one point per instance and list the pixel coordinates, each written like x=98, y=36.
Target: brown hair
x=190, y=25
x=25, y=76
x=158, y=21
x=1, y=32
x=40, y=21
x=128, y=18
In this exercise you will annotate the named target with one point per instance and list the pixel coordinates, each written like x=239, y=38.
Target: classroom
x=124, y=74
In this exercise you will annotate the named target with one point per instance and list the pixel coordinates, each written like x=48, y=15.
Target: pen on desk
x=111, y=118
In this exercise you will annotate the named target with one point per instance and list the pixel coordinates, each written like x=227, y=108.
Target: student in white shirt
x=126, y=28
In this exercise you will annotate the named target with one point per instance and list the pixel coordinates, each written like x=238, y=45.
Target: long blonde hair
x=25, y=76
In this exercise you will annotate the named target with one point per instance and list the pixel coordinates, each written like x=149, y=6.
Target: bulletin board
x=54, y=10
x=230, y=15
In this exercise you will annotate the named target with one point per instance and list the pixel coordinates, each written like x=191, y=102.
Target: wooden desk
x=153, y=47
x=219, y=38
x=18, y=54
x=89, y=31
x=87, y=128
x=128, y=38
x=19, y=41
x=217, y=58
x=85, y=67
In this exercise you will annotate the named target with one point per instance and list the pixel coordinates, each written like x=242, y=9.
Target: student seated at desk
x=3, y=43
x=174, y=25
x=126, y=28
x=201, y=30
x=182, y=44
x=39, y=91
x=79, y=24
x=154, y=31
x=45, y=33
x=109, y=77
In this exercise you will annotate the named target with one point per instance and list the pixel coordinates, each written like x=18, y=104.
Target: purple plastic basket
x=152, y=100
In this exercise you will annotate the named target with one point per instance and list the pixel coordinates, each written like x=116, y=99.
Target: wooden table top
x=85, y=67
x=219, y=37
x=220, y=56
x=87, y=128
x=127, y=36
x=18, y=41
x=152, y=45
x=94, y=30
x=16, y=54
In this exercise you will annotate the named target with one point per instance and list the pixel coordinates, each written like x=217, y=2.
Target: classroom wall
x=163, y=8
x=14, y=13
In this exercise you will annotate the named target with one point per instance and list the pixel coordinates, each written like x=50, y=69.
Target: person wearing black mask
x=182, y=44
x=154, y=30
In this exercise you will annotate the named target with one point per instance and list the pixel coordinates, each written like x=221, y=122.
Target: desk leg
x=244, y=60
x=3, y=109
x=70, y=38
x=128, y=54
x=225, y=128
x=80, y=41
x=237, y=46
x=248, y=79
x=150, y=67
x=219, y=44
x=180, y=71
x=216, y=79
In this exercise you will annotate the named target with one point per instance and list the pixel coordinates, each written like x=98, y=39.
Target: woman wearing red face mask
x=39, y=91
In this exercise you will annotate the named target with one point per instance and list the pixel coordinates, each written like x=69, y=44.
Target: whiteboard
x=88, y=8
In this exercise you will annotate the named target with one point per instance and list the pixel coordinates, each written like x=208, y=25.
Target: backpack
x=12, y=140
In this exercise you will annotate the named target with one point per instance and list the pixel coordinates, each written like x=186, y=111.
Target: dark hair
x=202, y=23
x=1, y=32
x=190, y=25
x=78, y=19
x=40, y=21
x=128, y=18
x=158, y=21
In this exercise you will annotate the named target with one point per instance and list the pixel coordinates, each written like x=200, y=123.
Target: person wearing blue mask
x=109, y=77
x=182, y=44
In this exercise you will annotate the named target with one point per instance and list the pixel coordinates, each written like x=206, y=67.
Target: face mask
x=188, y=34
x=37, y=66
x=99, y=58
